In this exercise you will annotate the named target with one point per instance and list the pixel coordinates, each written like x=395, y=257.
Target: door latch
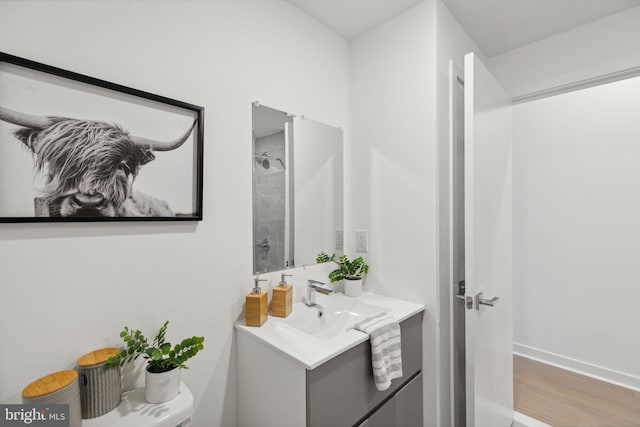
x=468, y=301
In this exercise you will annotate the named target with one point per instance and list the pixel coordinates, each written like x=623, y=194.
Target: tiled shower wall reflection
x=269, y=205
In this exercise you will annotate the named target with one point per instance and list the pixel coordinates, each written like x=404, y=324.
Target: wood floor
x=565, y=399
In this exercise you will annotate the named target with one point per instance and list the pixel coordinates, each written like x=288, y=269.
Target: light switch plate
x=362, y=241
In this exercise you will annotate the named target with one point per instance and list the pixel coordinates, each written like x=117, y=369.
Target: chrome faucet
x=314, y=286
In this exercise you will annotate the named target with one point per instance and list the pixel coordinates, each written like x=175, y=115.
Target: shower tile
x=276, y=256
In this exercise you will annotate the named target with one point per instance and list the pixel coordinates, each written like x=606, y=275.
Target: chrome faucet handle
x=324, y=291
x=319, y=288
x=312, y=287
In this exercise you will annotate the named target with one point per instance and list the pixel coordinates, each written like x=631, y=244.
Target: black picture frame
x=115, y=164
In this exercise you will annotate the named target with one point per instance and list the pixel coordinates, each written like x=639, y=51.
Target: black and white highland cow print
x=89, y=166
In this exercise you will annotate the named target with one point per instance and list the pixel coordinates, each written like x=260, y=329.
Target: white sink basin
x=336, y=318
x=310, y=340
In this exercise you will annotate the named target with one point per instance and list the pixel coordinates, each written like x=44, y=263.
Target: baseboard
x=583, y=368
x=522, y=420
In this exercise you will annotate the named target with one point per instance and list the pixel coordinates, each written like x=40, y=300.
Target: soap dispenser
x=256, y=305
x=282, y=298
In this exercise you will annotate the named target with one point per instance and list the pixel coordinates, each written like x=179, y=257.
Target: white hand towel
x=386, y=356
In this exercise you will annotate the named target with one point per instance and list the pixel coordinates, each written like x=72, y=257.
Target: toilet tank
x=134, y=411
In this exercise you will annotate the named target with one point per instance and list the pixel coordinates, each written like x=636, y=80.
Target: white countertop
x=311, y=351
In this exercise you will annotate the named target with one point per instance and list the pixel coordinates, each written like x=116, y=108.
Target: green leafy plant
x=350, y=270
x=160, y=355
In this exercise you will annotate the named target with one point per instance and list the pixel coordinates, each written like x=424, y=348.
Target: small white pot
x=353, y=287
x=161, y=387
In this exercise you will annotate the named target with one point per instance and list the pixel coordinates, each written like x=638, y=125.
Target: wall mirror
x=297, y=190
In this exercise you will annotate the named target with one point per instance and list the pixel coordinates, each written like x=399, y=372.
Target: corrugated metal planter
x=100, y=387
x=57, y=388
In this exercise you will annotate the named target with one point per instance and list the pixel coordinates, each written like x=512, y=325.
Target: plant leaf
x=165, y=348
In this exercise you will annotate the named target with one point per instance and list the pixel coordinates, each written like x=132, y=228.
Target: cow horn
x=24, y=119
x=163, y=145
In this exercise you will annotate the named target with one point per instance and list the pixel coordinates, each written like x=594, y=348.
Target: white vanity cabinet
x=277, y=390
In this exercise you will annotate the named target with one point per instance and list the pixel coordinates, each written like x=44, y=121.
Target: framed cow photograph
x=77, y=148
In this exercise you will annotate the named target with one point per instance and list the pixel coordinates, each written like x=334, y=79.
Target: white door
x=487, y=240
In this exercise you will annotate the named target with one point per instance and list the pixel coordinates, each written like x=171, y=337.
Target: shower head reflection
x=263, y=159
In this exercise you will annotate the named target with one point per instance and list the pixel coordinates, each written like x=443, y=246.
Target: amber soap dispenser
x=256, y=305
x=282, y=298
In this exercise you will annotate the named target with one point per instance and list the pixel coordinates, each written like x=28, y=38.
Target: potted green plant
x=164, y=361
x=350, y=271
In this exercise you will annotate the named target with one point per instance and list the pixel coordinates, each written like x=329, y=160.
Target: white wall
x=601, y=47
x=452, y=44
x=67, y=289
x=393, y=170
x=576, y=230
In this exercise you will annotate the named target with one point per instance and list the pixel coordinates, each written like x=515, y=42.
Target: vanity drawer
x=342, y=391
x=404, y=409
